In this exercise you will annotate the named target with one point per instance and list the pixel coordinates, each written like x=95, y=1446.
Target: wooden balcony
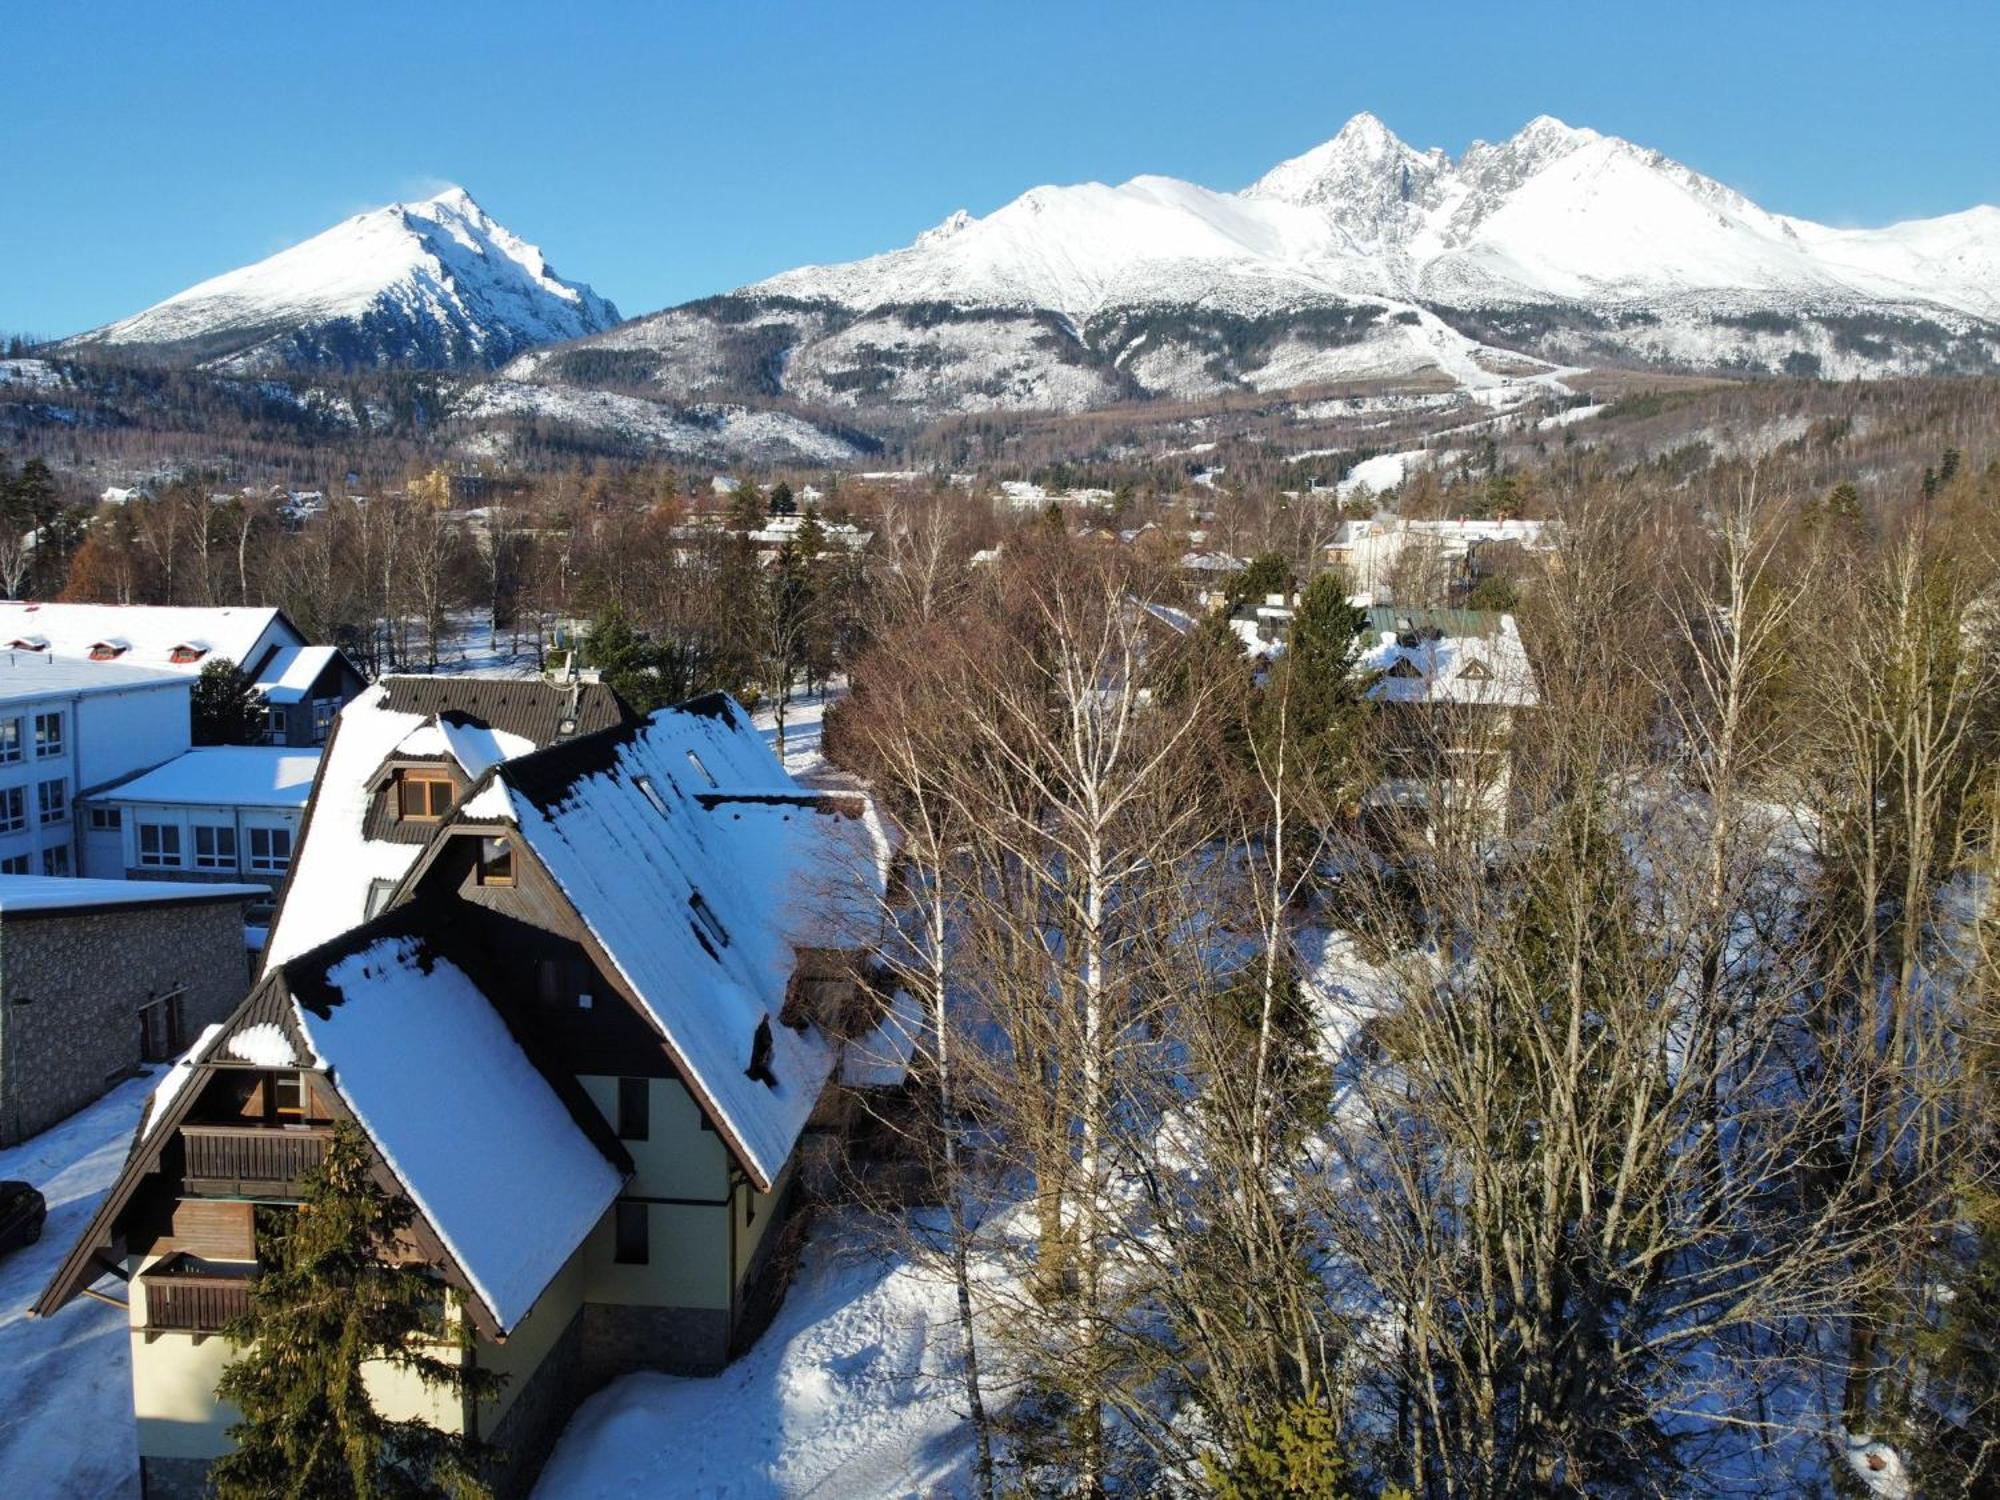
x=188, y=1295
x=251, y=1161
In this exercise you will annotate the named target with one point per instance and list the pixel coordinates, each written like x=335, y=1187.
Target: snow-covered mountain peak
x=954, y=223
x=433, y=282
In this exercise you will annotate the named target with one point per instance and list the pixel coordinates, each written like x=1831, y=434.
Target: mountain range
x=1362, y=259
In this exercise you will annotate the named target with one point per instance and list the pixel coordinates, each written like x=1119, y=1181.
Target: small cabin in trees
x=595, y=1031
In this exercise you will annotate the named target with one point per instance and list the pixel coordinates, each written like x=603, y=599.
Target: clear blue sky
x=665, y=151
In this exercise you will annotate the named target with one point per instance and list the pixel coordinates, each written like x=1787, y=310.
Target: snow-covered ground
x=853, y=1391
x=66, y=1382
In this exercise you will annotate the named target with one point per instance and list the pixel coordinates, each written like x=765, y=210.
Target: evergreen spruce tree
x=335, y=1301
x=225, y=706
x=1293, y=1454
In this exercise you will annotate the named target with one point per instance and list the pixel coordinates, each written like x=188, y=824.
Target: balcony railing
x=251, y=1161
x=187, y=1295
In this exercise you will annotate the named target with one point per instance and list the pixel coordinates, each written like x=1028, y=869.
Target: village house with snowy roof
x=302, y=686
x=593, y=1029
x=1451, y=686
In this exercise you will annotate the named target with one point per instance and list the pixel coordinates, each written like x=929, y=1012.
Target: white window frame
x=163, y=859
x=55, y=860
x=49, y=734
x=11, y=748
x=269, y=862
x=52, y=801
x=218, y=835
x=13, y=809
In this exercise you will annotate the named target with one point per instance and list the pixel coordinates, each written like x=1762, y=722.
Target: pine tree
x=225, y=706
x=1292, y=1454
x=336, y=1300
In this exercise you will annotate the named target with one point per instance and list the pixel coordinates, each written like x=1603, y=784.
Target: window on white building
x=270, y=848
x=214, y=848
x=10, y=741
x=13, y=809
x=49, y=733
x=160, y=845
x=52, y=800
x=56, y=861
x=324, y=710
x=104, y=820
x=14, y=864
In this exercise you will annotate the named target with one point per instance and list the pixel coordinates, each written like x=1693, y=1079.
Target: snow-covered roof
x=225, y=776
x=292, y=670
x=154, y=631
x=336, y=862
x=487, y=1151
x=29, y=674
x=42, y=893
x=698, y=864
x=1448, y=656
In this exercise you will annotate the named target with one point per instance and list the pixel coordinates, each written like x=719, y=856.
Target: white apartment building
x=215, y=813
x=68, y=727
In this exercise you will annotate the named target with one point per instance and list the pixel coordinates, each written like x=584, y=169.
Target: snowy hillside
x=436, y=284
x=1363, y=258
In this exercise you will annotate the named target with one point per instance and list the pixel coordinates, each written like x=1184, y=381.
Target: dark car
x=22, y=1214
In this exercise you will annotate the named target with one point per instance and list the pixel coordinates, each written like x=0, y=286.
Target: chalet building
x=68, y=727
x=1452, y=685
x=213, y=813
x=301, y=685
x=417, y=743
x=593, y=1031
x=99, y=976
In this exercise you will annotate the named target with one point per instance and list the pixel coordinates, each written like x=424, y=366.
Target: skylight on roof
x=651, y=794
x=710, y=923
x=702, y=770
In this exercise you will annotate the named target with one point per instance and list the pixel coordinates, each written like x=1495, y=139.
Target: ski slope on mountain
x=437, y=283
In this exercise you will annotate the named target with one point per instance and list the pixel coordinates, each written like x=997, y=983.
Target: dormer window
x=31, y=643
x=1475, y=670
x=424, y=796
x=109, y=650
x=1404, y=668
x=187, y=653
x=496, y=862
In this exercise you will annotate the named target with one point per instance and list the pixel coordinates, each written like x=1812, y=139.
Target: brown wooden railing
x=251, y=1161
x=186, y=1295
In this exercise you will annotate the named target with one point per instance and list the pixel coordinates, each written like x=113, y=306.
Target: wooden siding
x=215, y=1231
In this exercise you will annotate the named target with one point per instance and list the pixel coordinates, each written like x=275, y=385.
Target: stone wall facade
x=174, y=1478
x=541, y=1409
x=73, y=983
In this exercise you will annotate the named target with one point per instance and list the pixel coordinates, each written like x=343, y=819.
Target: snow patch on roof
x=179, y=1074
x=478, y=748
x=226, y=776
x=153, y=631
x=698, y=896
x=264, y=1045
x=26, y=893
x=486, y=1150
x=292, y=670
